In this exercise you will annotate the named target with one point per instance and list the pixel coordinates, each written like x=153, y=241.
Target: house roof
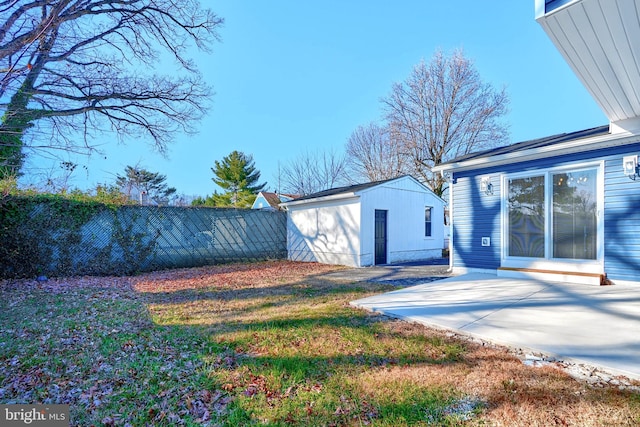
x=350, y=190
x=271, y=198
x=536, y=143
x=566, y=143
x=600, y=40
x=288, y=196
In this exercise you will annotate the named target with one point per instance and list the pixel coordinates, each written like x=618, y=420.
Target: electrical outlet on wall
x=486, y=241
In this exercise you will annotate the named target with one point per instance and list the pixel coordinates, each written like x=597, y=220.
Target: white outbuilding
x=381, y=222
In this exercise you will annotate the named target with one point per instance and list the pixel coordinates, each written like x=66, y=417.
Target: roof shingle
x=347, y=189
x=534, y=143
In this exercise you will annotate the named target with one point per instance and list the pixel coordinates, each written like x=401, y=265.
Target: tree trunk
x=15, y=122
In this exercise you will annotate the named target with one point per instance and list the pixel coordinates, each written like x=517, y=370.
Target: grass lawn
x=269, y=343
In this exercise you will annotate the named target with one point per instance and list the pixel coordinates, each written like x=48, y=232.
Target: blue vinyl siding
x=476, y=215
x=621, y=221
x=551, y=5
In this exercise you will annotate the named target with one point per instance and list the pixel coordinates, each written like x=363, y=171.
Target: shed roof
x=351, y=190
x=343, y=190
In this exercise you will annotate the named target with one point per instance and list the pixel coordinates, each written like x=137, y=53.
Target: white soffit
x=600, y=40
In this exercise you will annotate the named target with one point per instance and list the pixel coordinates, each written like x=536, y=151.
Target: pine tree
x=140, y=184
x=237, y=175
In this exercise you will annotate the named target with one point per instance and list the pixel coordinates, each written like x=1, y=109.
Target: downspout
x=450, y=181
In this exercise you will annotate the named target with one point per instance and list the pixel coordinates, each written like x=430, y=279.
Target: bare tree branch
x=313, y=172
x=444, y=110
x=87, y=66
x=375, y=153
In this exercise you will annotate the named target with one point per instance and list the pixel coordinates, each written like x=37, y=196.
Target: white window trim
x=548, y=262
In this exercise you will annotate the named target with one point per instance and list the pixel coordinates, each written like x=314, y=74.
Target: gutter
x=571, y=147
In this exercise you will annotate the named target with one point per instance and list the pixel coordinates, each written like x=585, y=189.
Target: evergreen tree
x=237, y=175
x=140, y=184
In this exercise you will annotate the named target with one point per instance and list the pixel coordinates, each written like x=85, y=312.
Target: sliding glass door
x=552, y=216
x=526, y=212
x=575, y=215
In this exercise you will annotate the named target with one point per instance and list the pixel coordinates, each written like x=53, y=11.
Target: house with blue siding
x=564, y=207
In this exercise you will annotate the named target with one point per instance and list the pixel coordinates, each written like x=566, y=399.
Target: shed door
x=381, y=237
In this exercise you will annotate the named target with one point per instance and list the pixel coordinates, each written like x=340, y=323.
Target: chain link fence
x=131, y=239
x=200, y=236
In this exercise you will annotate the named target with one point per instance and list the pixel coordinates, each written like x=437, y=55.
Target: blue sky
x=291, y=76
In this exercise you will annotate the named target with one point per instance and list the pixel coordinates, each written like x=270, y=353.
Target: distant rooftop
x=271, y=198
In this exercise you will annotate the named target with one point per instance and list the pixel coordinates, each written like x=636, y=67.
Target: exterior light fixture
x=485, y=185
x=630, y=165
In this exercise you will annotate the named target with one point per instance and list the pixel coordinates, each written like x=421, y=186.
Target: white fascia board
x=334, y=197
x=540, y=8
x=626, y=126
x=570, y=147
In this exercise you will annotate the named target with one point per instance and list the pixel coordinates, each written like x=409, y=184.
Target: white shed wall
x=325, y=232
x=405, y=202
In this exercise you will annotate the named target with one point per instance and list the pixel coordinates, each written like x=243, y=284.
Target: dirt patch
x=408, y=274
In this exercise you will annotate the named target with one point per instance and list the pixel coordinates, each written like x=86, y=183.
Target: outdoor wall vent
x=630, y=165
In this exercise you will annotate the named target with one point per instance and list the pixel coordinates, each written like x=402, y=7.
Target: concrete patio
x=595, y=325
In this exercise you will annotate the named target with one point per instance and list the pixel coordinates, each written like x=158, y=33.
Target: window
x=427, y=221
x=552, y=216
x=526, y=217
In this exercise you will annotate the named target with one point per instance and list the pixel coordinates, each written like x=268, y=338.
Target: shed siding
x=478, y=215
x=405, y=202
x=326, y=233
x=341, y=230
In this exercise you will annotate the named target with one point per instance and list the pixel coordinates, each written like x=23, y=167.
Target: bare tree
x=313, y=172
x=71, y=68
x=444, y=110
x=375, y=153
